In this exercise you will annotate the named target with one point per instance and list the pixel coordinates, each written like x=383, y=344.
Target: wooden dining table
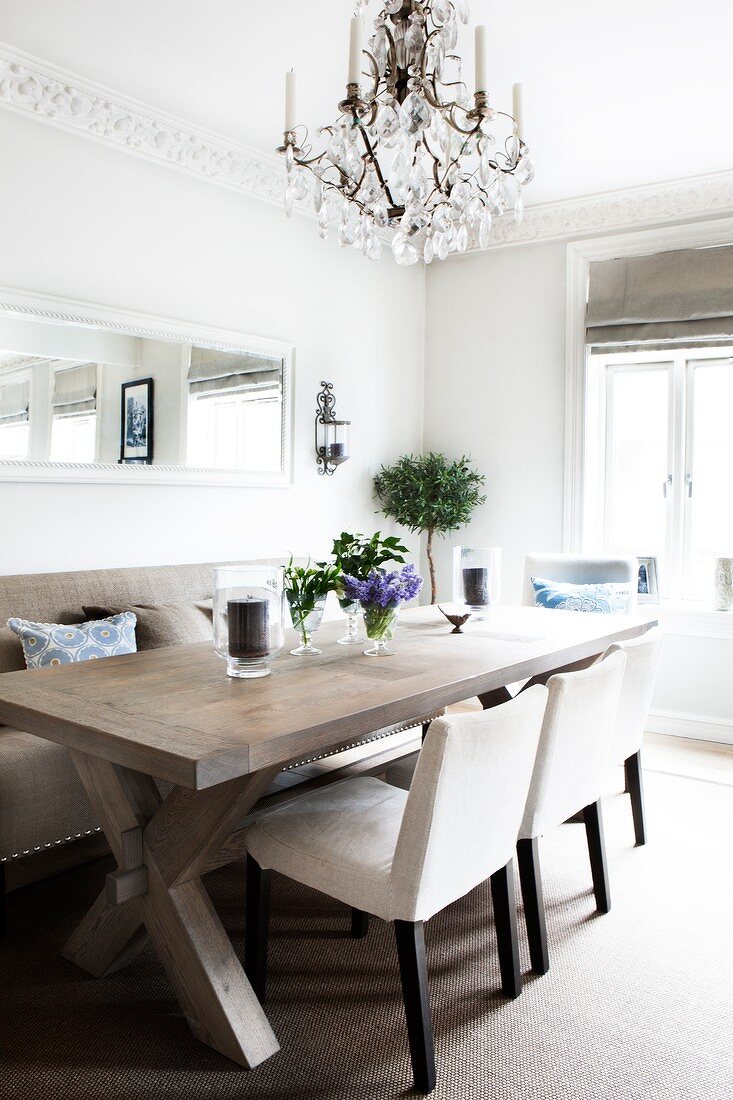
x=216, y=743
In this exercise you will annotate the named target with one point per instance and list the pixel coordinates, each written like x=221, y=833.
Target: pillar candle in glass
x=336, y=440
x=476, y=578
x=248, y=628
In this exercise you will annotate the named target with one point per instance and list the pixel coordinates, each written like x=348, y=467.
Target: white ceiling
x=615, y=95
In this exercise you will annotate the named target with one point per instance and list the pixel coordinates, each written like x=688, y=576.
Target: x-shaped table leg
x=162, y=849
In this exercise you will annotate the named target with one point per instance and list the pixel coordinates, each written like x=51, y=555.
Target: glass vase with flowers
x=306, y=588
x=357, y=555
x=381, y=594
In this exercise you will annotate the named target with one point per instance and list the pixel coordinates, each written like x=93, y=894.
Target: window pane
x=711, y=468
x=73, y=438
x=14, y=440
x=639, y=461
x=234, y=432
x=262, y=435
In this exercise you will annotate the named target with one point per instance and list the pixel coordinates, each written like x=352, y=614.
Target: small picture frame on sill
x=136, y=422
x=647, y=590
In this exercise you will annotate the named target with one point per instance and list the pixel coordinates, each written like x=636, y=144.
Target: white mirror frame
x=65, y=311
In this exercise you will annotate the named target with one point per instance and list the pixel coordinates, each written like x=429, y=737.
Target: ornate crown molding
x=34, y=87
x=675, y=201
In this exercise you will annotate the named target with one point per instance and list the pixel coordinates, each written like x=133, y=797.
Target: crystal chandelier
x=412, y=156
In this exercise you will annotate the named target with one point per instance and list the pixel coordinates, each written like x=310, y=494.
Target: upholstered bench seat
x=42, y=801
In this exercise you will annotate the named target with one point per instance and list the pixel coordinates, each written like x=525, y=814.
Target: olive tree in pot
x=430, y=493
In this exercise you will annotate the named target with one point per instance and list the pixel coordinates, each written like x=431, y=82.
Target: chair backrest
x=642, y=662
x=465, y=803
x=577, y=569
x=574, y=743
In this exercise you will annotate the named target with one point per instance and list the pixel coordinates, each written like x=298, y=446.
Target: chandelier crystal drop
x=412, y=156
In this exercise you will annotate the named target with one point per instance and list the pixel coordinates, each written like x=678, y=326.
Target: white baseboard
x=690, y=725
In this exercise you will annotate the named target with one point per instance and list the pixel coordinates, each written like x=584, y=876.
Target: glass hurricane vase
x=306, y=620
x=248, y=628
x=380, y=623
x=353, y=635
x=476, y=578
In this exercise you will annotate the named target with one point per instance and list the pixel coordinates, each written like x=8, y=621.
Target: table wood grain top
x=175, y=714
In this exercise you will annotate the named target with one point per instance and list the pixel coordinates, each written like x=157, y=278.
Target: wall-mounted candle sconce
x=332, y=435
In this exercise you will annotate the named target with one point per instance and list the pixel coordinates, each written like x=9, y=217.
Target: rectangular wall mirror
x=81, y=399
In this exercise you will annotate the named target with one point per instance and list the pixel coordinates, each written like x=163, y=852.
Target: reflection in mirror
x=83, y=395
x=234, y=410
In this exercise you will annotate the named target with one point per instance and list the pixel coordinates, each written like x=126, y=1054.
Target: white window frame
x=240, y=401
x=680, y=366
x=680, y=617
x=56, y=367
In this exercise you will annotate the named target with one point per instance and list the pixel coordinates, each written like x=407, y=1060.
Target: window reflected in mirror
x=234, y=411
x=62, y=389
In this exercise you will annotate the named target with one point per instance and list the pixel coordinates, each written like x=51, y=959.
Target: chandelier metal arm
x=377, y=168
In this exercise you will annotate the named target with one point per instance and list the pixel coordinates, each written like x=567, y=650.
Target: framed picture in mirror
x=136, y=422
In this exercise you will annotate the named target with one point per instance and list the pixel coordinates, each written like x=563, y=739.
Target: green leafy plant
x=305, y=587
x=430, y=493
x=357, y=555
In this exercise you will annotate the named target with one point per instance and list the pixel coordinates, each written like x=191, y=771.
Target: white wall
x=87, y=222
x=495, y=384
x=494, y=389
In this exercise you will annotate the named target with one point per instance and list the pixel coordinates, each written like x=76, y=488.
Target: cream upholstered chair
x=577, y=569
x=404, y=857
x=642, y=662
x=568, y=777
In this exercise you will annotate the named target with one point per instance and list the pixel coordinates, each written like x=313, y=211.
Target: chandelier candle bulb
x=482, y=59
x=517, y=108
x=290, y=115
x=355, y=51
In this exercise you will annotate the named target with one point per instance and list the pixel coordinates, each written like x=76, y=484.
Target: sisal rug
x=638, y=1004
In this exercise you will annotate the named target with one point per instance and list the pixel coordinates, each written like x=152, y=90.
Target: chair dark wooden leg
x=359, y=924
x=505, y=919
x=414, y=975
x=528, y=857
x=3, y=917
x=635, y=787
x=597, y=852
x=257, y=920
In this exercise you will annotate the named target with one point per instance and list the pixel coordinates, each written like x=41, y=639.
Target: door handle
x=688, y=483
x=667, y=485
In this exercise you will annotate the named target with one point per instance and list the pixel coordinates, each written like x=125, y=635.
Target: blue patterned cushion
x=609, y=599
x=46, y=644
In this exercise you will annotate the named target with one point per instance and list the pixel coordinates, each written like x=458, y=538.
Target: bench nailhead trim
x=50, y=844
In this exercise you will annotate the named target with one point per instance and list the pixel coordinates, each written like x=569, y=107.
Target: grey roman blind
x=671, y=298
x=75, y=390
x=213, y=371
x=15, y=399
